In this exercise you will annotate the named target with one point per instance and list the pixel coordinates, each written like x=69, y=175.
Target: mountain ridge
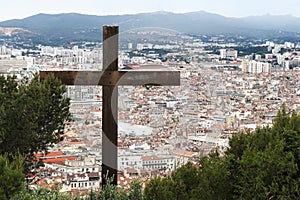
x=88, y=27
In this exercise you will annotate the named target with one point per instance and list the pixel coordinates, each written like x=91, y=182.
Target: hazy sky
x=17, y=9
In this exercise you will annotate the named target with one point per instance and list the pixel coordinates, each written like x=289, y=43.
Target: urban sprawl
x=226, y=87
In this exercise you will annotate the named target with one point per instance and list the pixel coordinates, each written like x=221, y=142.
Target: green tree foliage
x=109, y=192
x=42, y=194
x=32, y=115
x=288, y=127
x=135, y=192
x=32, y=118
x=164, y=189
x=11, y=176
x=263, y=164
x=213, y=179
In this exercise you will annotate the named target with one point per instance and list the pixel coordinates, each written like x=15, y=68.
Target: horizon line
x=149, y=12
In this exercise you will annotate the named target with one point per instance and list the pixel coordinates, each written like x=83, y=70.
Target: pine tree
x=32, y=115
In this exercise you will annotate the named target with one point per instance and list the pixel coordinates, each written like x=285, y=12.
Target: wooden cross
x=109, y=78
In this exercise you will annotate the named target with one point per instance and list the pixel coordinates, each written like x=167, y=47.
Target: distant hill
x=9, y=31
x=74, y=26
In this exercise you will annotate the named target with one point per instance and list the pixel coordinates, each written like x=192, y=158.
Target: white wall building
x=154, y=163
x=228, y=53
x=255, y=67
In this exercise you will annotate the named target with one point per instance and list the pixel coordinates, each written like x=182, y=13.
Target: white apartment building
x=86, y=181
x=228, y=53
x=3, y=50
x=154, y=162
x=140, y=162
x=79, y=165
x=129, y=160
x=256, y=67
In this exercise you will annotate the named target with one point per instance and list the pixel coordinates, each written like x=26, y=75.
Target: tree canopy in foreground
x=32, y=115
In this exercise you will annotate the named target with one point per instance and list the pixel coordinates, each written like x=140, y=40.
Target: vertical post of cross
x=110, y=107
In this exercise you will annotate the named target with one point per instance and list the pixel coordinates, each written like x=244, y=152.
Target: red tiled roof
x=76, y=143
x=184, y=153
x=56, y=153
x=151, y=158
x=59, y=160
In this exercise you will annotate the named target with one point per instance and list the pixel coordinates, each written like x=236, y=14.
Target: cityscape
x=228, y=84
x=162, y=128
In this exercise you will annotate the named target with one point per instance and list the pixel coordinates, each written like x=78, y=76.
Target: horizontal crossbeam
x=135, y=78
